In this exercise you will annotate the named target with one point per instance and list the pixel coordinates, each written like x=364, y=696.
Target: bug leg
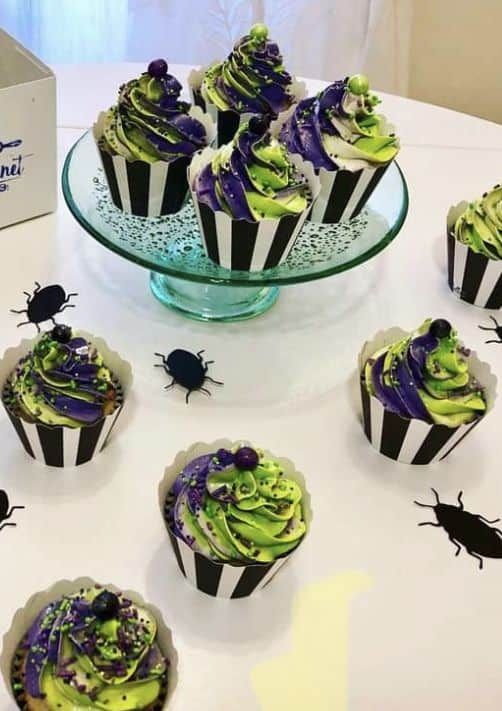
x=164, y=359
x=66, y=306
x=212, y=380
x=189, y=392
x=486, y=328
x=493, y=341
x=7, y=524
x=13, y=508
x=436, y=495
x=21, y=311
x=171, y=385
x=460, y=502
x=495, y=520
x=459, y=548
x=424, y=506
x=23, y=323
x=495, y=321
x=205, y=391
x=430, y=523
x=478, y=557
x=199, y=354
x=73, y=293
x=38, y=287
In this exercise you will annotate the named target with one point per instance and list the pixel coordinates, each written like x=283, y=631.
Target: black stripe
x=207, y=574
x=209, y=231
x=138, y=179
x=375, y=179
x=116, y=414
x=436, y=439
x=176, y=549
x=51, y=441
x=495, y=298
x=343, y=186
x=461, y=438
x=365, y=399
x=451, y=259
x=176, y=186
x=18, y=426
x=475, y=267
x=394, y=429
x=282, y=236
x=227, y=125
x=111, y=178
x=243, y=243
x=87, y=441
x=251, y=576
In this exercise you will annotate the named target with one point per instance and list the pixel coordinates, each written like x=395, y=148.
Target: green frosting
x=245, y=515
x=64, y=384
x=426, y=377
x=363, y=134
x=480, y=225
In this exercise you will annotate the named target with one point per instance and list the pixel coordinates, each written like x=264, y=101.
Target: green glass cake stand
x=183, y=278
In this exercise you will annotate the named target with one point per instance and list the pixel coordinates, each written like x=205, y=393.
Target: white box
x=28, y=152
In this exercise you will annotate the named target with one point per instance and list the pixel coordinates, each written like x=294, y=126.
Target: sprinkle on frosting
x=251, y=79
x=480, y=225
x=149, y=122
x=230, y=508
x=252, y=177
x=339, y=128
x=77, y=658
x=426, y=376
x=62, y=381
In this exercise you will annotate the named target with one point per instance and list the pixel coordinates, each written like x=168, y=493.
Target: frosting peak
x=480, y=225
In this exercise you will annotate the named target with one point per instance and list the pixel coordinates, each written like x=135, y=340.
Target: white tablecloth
x=408, y=625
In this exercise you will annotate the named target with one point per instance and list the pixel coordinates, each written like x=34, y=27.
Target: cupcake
x=422, y=393
x=251, y=198
x=251, y=80
x=63, y=392
x=474, y=233
x=347, y=142
x=146, y=142
x=88, y=647
x=234, y=515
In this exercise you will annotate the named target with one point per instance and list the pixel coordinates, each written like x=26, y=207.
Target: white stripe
x=459, y=259
x=376, y=417
x=224, y=238
x=188, y=559
x=156, y=187
x=32, y=435
x=119, y=164
x=413, y=440
x=264, y=240
x=488, y=283
x=230, y=576
x=452, y=442
x=293, y=237
x=107, y=426
x=273, y=570
x=71, y=438
x=195, y=204
x=327, y=179
x=361, y=185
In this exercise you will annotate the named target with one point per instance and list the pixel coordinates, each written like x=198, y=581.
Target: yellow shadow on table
x=313, y=675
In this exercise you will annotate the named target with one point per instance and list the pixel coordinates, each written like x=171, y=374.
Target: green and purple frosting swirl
x=426, y=376
x=149, y=122
x=251, y=79
x=236, y=507
x=92, y=649
x=480, y=225
x=62, y=381
x=252, y=177
x=339, y=128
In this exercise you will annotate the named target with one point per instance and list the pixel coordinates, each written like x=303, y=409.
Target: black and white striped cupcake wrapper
x=227, y=122
x=413, y=441
x=25, y=616
x=224, y=580
x=243, y=245
x=55, y=445
x=148, y=189
x=472, y=277
x=344, y=193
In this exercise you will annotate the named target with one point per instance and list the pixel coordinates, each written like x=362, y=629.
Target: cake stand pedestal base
x=212, y=302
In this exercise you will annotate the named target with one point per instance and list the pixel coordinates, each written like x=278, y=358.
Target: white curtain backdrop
x=327, y=39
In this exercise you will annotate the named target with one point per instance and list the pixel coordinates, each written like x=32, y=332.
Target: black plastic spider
x=44, y=304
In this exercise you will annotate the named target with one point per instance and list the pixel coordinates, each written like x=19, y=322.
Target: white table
x=424, y=627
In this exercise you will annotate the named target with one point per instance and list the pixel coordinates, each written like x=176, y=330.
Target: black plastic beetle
x=5, y=511
x=497, y=330
x=466, y=529
x=187, y=370
x=44, y=304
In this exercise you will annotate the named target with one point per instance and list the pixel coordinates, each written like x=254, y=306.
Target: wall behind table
x=456, y=55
